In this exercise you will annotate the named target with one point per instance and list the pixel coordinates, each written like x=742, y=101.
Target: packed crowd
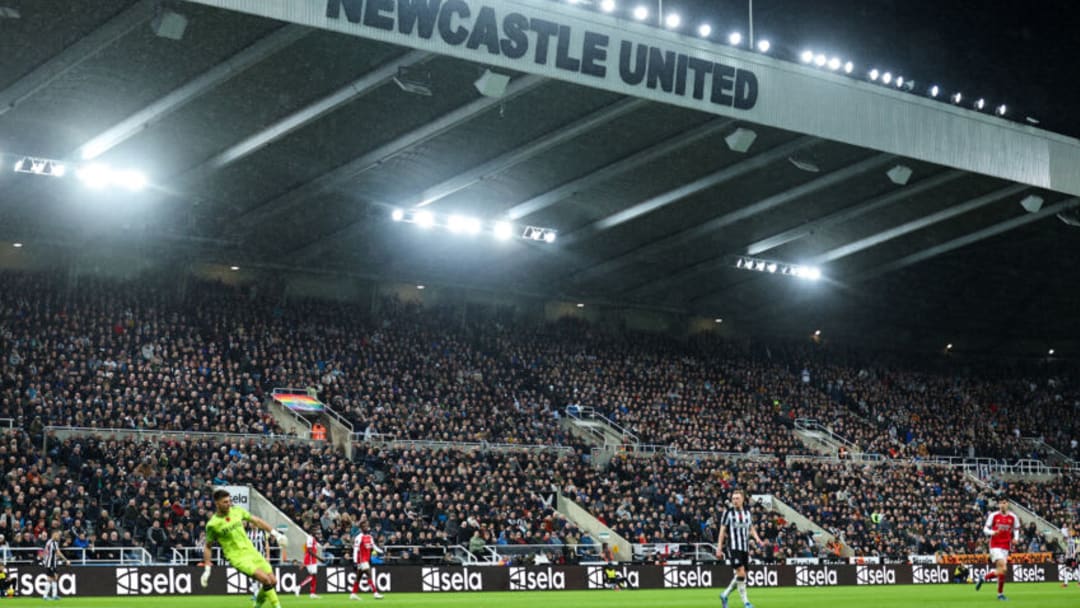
x=152, y=356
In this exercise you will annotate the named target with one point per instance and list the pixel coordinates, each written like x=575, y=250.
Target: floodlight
x=734, y=38
x=549, y=236
x=95, y=176
x=764, y=46
x=641, y=13
x=672, y=21
x=132, y=180
x=704, y=30
x=874, y=74
x=503, y=230
x=1001, y=110
x=820, y=60
x=806, y=56
x=834, y=64
x=608, y=6
x=849, y=67
x=934, y=91
x=397, y=215
x=424, y=219
x=886, y=77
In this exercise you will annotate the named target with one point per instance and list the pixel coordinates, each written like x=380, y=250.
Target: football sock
x=742, y=591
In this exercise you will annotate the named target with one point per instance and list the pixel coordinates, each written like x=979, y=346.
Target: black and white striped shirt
x=258, y=538
x=51, y=558
x=1070, y=548
x=737, y=524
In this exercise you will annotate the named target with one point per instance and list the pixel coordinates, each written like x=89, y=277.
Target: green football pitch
x=1042, y=595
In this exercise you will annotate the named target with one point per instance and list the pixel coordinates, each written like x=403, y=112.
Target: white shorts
x=997, y=555
x=364, y=566
x=312, y=568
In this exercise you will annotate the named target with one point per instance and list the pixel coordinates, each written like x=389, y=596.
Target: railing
x=343, y=421
x=1053, y=453
x=156, y=435
x=699, y=552
x=502, y=552
x=303, y=422
x=124, y=556
x=851, y=458
x=579, y=412
x=191, y=555
x=7, y=423
x=468, y=446
x=812, y=425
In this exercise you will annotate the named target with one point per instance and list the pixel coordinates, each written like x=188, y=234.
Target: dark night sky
x=1023, y=54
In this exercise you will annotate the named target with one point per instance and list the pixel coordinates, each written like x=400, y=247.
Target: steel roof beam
x=492, y=167
x=923, y=222
x=348, y=172
x=190, y=91
x=853, y=212
x=969, y=239
x=75, y=55
x=551, y=197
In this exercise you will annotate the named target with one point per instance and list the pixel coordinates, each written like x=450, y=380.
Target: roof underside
x=650, y=204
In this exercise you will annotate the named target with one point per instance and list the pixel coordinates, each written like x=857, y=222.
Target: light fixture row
x=472, y=226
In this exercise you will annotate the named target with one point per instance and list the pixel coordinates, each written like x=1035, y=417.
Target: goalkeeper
x=226, y=527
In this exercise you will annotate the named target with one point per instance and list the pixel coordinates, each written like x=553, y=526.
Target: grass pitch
x=1040, y=595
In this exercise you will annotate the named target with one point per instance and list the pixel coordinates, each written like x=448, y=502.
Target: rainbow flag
x=298, y=403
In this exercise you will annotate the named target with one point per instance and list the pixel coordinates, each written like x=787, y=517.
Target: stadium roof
x=284, y=147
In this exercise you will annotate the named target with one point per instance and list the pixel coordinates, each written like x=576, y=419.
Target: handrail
x=468, y=446
x=7, y=423
x=82, y=556
x=1038, y=441
x=812, y=424
x=581, y=412
x=191, y=554
x=157, y=435
x=329, y=411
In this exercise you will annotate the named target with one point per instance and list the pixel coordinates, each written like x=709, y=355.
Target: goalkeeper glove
x=205, y=579
x=280, y=538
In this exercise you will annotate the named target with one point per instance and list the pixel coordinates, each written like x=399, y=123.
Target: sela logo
x=871, y=575
x=595, y=578
x=765, y=577
x=437, y=579
x=806, y=576
x=523, y=579
x=38, y=584
x=237, y=582
x=340, y=580
x=687, y=577
x=929, y=575
x=133, y=581
x=1029, y=574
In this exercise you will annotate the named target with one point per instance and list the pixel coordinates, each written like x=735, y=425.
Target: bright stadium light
x=504, y=231
x=456, y=223
x=834, y=64
x=132, y=180
x=672, y=21
x=957, y=98
x=641, y=13
x=734, y=38
x=1051, y=353
x=704, y=30
x=234, y=268
x=886, y=77
x=397, y=215
x=806, y=56
x=549, y=236
x=874, y=74
x=817, y=333
x=1001, y=110
x=980, y=103
x=935, y=91
x=608, y=6
x=849, y=67
x=820, y=60
x=17, y=245
x=899, y=81
x=581, y=305
x=424, y=219
x=95, y=177
x=763, y=46
x=718, y=320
